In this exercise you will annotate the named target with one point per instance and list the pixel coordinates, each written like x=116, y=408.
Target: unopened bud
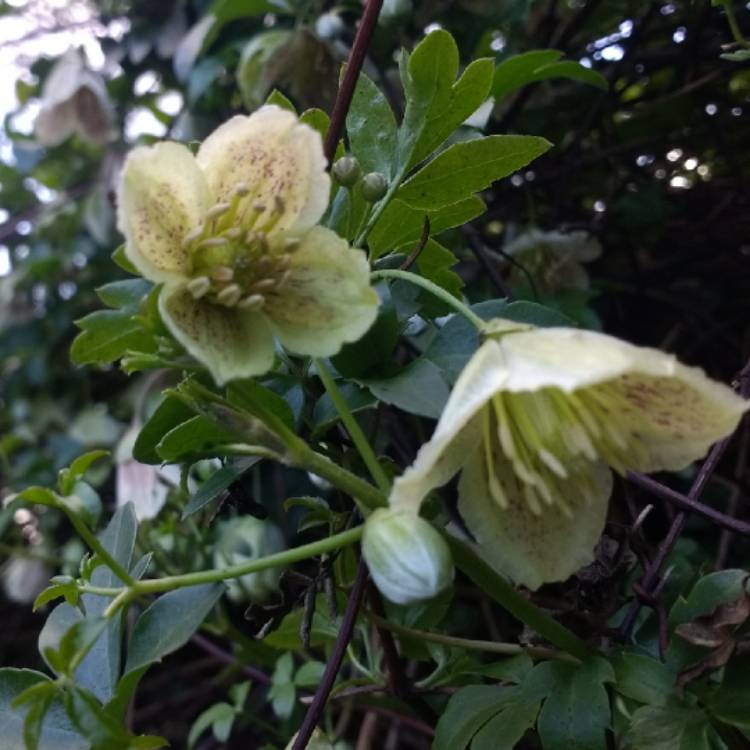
x=374, y=186
x=408, y=559
x=346, y=171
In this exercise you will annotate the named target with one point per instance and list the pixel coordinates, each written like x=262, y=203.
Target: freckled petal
x=458, y=431
x=273, y=154
x=532, y=550
x=327, y=300
x=162, y=196
x=675, y=411
x=230, y=342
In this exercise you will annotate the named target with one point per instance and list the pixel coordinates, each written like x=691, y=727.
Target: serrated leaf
x=467, y=712
x=466, y=168
x=108, y=335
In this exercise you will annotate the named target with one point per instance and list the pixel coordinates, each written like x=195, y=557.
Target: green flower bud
x=346, y=171
x=374, y=186
x=244, y=539
x=408, y=559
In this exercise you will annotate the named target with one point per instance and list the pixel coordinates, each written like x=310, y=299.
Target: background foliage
x=645, y=186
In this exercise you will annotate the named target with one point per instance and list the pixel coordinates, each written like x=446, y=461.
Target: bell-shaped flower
x=231, y=233
x=534, y=423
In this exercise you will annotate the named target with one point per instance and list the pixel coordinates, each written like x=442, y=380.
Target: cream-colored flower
x=533, y=424
x=232, y=235
x=554, y=260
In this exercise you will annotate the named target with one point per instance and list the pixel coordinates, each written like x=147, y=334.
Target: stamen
x=230, y=295
x=259, y=207
x=233, y=233
x=241, y=190
x=222, y=273
x=218, y=210
x=263, y=285
x=552, y=463
x=212, y=242
x=252, y=302
x=196, y=234
x=496, y=491
x=199, y=286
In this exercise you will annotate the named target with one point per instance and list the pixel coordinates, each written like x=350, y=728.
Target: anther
x=190, y=238
x=218, y=210
x=233, y=233
x=241, y=190
x=252, y=302
x=230, y=295
x=222, y=273
x=264, y=285
x=198, y=286
x=259, y=207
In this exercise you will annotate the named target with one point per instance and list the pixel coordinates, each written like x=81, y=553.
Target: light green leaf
x=125, y=293
x=107, y=335
x=540, y=65
x=57, y=731
x=642, y=678
x=371, y=128
x=195, y=436
x=169, y=622
x=219, y=717
x=400, y=226
x=466, y=168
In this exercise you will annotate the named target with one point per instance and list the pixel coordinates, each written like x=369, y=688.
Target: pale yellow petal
x=232, y=343
x=326, y=300
x=161, y=198
x=534, y=549
x=276, y=157
x=458, y=431
x=674, y=410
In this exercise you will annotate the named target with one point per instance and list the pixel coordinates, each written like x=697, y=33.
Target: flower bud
x=374, y=186
x=346, y=171
x=244, y=539
x=408, y=559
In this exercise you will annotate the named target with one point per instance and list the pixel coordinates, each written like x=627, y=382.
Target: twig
x=421, y=242
x=315, y=710
x=687, y=504
x=353, y=68
x=219, y=654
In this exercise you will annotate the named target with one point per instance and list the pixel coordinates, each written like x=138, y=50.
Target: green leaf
x=418, y=389
x=576, y=713
x=400, y=226
x=122, y=260
x=125, y=293
x=466, y=168
x=671, y=727
x=169, y=622
x=277, y=98
x=219, y=717
x=102, y=730
x=707, y=594
x=107, y=335
x=68, y=477
x=309, y=674
x=642, y=678
x=250, y=396
x=731, y=701
x=371, y=128
x=467, y=712
x=219, y=481
x=194, y=437
x=357, y=399
x=57, y=732
x=286, y=636
x=434, y=263
x=540, y=65
x=505, y=731
x=170, y=413
x=454, y=103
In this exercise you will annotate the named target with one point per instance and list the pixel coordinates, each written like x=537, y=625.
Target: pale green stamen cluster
x=232, y=262
x=549, y=438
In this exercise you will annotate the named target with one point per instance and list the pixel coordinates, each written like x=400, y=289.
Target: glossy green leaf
x=125, y=293
x=643, y=678
x=466, y=168
x=170, y=413
x=196, y=436
x=467, y=712
x=107, y=335
x=219, y=481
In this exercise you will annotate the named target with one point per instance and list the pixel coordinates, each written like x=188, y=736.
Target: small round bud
x=374, y=186
x=408, y=559
x=244, y=539
x=346, y=171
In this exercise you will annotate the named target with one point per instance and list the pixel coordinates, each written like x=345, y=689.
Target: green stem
x=434, y=289
x=509, y=599
x=734, y=27
x=353, y=428
x=492, y=647
x=305, y=458
x=85, y=533
x=380, y=207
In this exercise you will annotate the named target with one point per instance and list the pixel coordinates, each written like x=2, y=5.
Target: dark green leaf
x=643, y=678
x=467, y=712
x=194, y=437
x=219, y=481
x=169, y=622
x=170, y=413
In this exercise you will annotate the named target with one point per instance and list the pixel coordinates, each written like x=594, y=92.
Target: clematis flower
x=534, y=423
x=231, y=233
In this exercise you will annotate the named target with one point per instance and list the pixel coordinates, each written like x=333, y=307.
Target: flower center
x=232, y=261
x=549, y=438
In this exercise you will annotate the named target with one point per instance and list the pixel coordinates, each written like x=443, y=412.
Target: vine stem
x=93, y=542
x=492, y=647
x=333, y=665
x=353, y=428
x=434, y=289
